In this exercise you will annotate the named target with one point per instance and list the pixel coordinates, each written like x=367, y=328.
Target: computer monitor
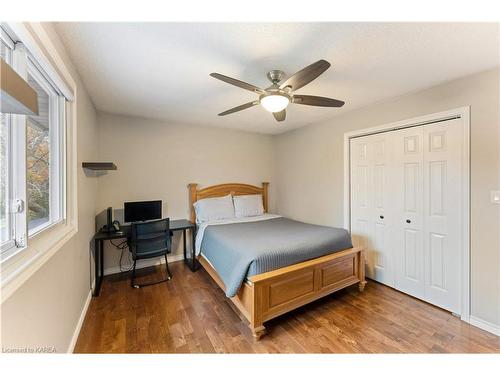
x=142, y=211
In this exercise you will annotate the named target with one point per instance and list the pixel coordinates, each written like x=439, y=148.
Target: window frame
x=37, y=41
x=25, y=64
x=10, y=242
x=9, y=247
x=7, y=40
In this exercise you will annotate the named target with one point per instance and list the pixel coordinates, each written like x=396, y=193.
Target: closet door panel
x=361, y=197
x=443, y=213
x=408, y=198
x=383, y=268
x=370, y=200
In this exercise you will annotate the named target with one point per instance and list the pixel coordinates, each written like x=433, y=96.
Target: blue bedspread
x=241, y=250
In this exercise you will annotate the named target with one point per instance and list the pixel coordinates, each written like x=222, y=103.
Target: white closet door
x=361, y=194
x=443, y=213
x=382, y=208
x=406, y=209
x=409, y=215
x=371, y=174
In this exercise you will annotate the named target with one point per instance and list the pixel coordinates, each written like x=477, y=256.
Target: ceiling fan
x=276, y=97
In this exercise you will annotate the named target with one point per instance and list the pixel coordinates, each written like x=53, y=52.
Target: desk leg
x=193, y=250
x=98, y=267
x=184, y=242
x=101, y=261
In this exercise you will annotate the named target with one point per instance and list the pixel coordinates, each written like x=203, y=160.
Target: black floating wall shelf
x=104, y=166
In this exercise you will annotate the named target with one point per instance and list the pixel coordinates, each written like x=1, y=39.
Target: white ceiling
x=161, y=70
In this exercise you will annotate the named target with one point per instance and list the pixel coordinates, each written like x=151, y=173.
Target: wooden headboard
x=225, y=189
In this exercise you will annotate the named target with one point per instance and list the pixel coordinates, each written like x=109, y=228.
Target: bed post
x=265, y=186
x=192, y=199
x=361, y=270
x=256, y=320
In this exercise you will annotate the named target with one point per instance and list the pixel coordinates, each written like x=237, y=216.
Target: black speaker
x=108, y=227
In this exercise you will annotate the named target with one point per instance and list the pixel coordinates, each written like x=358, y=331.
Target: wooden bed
x=265, y=296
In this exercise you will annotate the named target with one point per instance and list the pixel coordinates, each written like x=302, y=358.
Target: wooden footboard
x=268, y=295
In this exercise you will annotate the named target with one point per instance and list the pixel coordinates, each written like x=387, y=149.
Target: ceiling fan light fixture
x=276, y=97
x=274, y=102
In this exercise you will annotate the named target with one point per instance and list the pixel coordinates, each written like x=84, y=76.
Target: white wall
x=45, y=310
x=309, y=170
x=157, y=160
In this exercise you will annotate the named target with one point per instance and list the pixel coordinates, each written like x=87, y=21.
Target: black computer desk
x=124, y=233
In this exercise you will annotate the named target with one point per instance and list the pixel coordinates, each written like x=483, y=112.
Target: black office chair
x=149, y=240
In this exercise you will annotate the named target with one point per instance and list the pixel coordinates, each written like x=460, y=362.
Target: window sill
x=40, y=230
x=21, y=266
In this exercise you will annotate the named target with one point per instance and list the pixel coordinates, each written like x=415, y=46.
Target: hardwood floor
x=190, y=314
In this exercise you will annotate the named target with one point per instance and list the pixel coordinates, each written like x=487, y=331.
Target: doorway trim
x=464, y=114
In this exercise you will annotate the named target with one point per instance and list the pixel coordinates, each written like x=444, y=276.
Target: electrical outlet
x=495, y=196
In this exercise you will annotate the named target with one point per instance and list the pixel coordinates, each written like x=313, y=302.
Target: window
x=43, y=155
x=32, y=151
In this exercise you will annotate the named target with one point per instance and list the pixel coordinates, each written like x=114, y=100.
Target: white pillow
x=248, y=205
x=213, y=209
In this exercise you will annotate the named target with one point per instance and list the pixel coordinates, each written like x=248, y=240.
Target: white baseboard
x=78, y=327
x=487, y=326
x=144, y=263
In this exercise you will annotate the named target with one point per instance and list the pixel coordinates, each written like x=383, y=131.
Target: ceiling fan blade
x=280, y=116
x=239, y=108
x=306, y=75
x=238, y=83
x=317, y=101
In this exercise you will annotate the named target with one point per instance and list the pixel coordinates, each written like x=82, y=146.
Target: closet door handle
x=381, y=216
x=408, y=221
